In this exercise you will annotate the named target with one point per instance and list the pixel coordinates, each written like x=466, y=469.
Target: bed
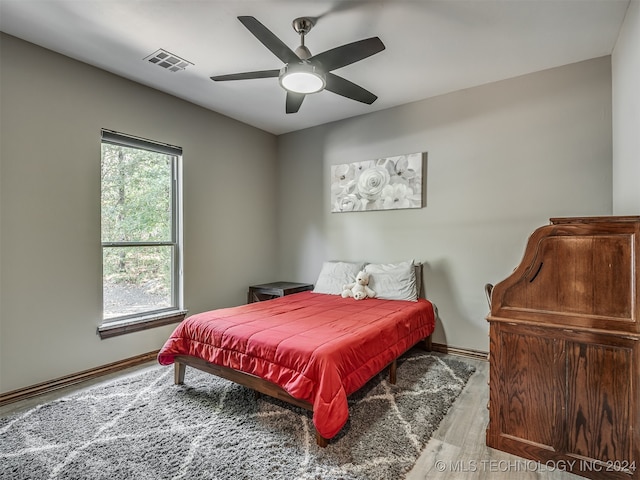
x=310, y=349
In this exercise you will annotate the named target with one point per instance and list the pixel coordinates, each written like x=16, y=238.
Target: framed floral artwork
x=384, y=184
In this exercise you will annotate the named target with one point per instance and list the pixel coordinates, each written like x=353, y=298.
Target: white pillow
x=336, y=274
x=393, y=281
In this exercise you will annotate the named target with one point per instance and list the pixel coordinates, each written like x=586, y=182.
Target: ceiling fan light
x=301, y=78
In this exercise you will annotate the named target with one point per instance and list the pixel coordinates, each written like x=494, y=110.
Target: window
x=141, y=254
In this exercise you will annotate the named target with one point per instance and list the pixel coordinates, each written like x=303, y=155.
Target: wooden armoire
x=565, y=349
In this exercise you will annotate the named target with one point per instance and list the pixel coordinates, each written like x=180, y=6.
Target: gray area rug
x=142, y=426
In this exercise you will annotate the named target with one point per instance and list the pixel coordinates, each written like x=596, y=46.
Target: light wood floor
x=456, y=451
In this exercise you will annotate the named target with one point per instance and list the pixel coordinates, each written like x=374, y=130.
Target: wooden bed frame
x=266, y=387
x=260, y=385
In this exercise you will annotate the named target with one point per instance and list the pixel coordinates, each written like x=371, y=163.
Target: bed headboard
x=418, y=270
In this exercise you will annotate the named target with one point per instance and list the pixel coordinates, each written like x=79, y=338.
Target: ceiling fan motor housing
x=303, y=52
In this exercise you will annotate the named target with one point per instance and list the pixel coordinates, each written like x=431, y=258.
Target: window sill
x=130, y=325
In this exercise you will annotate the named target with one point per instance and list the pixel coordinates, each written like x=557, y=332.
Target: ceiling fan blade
x=246, y=75
x=269, y=40
x=294, y=100
x=349, y=53
x=348, y=89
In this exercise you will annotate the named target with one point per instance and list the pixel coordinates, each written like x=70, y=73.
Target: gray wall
x=502, y=159
x=50, y=292
x=625, y=64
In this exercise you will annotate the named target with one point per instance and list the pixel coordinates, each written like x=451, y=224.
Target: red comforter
x=319, y=348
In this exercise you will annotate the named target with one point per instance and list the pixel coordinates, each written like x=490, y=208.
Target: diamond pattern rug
x=142, y=426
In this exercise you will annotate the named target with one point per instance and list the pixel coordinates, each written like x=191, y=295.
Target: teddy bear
x=358, y=289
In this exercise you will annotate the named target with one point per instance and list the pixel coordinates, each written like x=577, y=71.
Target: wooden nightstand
x=267, y=291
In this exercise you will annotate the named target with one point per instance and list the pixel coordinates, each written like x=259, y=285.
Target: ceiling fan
x=304, y=73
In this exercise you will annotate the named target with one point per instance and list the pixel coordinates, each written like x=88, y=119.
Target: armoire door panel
x=599, y=417
x=530, y=408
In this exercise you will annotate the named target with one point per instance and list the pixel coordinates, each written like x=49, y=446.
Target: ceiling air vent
x=168, y=60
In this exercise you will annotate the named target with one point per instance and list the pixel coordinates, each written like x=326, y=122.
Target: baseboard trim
x=73, y=379
x=463, y=352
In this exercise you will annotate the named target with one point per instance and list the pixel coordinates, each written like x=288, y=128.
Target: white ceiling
x=432, y=47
